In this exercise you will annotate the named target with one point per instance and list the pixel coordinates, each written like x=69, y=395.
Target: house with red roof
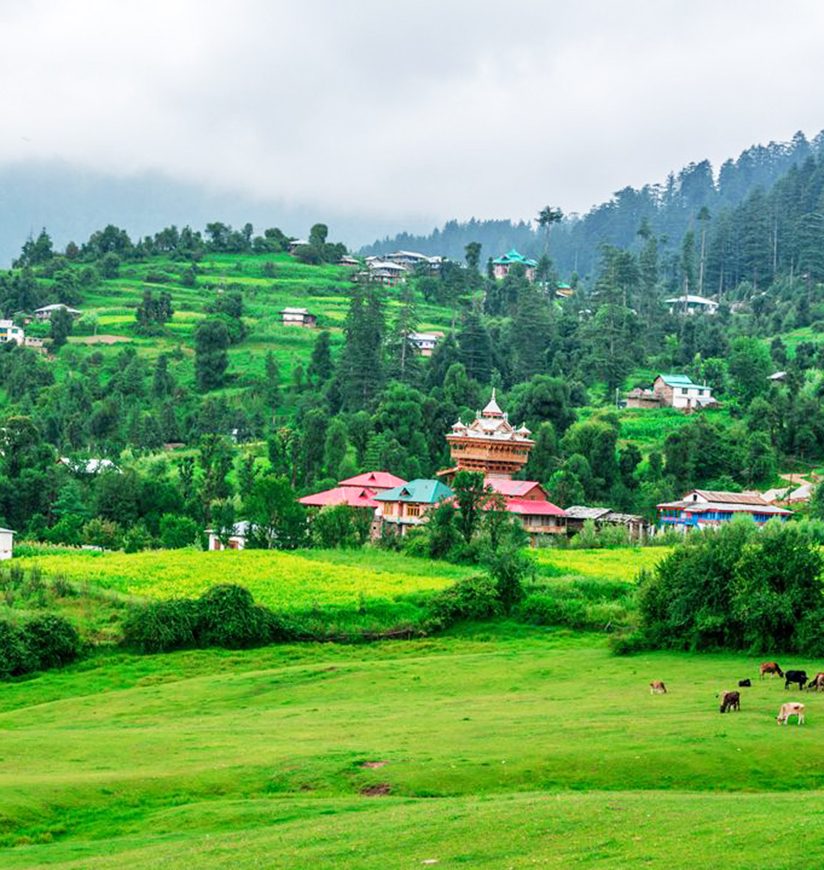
x=527, y=500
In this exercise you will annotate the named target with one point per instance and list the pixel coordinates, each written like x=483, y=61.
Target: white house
x=676, y=391
x=424, y=342
x=236, y=541
x=6, y=543
x=45, y=313
x=10, y=332
x=689, y=304
x=297, y=317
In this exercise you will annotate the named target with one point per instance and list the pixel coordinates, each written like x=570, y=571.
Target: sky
x=406, y=111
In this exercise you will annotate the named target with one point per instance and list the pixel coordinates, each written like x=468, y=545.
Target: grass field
x=622, y=563
x=499, y=747
x=281, y=580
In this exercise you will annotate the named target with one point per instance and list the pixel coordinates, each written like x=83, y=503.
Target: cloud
x=427, y=108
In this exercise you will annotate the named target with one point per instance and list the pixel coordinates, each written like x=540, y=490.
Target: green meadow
x=492, y=747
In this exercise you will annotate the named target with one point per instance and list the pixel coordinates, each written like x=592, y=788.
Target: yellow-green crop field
x=619, y=564
x=284, y=581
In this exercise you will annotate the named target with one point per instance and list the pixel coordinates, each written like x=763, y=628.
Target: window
x=413, y=510
x=684, y=391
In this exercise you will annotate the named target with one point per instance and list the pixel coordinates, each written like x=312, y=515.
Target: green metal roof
x=513, y=257
x=419, y=491
x=678, y=381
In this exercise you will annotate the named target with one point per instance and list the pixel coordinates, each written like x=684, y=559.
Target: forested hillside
x=177, y=370
x=695, y=200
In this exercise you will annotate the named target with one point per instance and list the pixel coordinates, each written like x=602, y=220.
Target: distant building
x=297, y=317
x=235, y=541
x=777, y=377
x=637, y=527
x=88, y=466
x=358, y=491
x=297, y=243
x=45, y=313
x=347, y=260
x=385, y=272
x=405, y=507
x=424, y=342
x=414, y=261
x=701, y=509
x=528, y=501
x=564, y=291
x=689, y=304
x=502, y=265
x=790, y=494
x=674, y=391
x=9, y=332
x=6, y=543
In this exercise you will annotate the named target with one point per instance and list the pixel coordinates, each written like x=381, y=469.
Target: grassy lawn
x=500, y=748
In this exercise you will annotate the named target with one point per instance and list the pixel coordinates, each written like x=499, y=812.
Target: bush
x=52, y=641
x=15, y=655
x=467, y=600
x=628, y=643
x=227, y=617
x=161, y=626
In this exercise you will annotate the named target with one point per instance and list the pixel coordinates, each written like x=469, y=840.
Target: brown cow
x=772, y=669
x=657, y=687
x=817, y=682
x=730, y=701
x=793, y=708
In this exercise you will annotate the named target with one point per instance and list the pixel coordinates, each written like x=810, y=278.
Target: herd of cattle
x=732, y=700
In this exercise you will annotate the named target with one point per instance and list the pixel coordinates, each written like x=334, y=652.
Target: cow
x=793, y=708
x=657, y=687
x=771, y=668
x=730, y=701
x=799, y=677
x=817, y=682
x=743, y=683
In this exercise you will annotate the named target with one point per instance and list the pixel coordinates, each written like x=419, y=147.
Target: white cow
x=793, y=708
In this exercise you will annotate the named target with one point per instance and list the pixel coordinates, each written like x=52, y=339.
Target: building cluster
x=672, y=391
x=11, y=332
x=393, y=269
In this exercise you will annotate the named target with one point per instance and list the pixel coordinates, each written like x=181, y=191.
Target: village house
x=424, y=342
x=235, y=541
x=295, y=244
x=673, y=391
x=637, y=527
x=297, y=317
x=10, y=332
x=790, y=494
x=405, y=506
x=689, y=304
x=6, y=543
x=45, y=313
x=502, y=265
x=564, y=291
x=358, y=491
x=702, y=509
x=348, y=260
x=385, y=272
x=528, y=501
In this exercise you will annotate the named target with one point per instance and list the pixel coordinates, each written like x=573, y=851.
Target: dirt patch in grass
x=374, y=764
x=377, y=790
x=102, y=339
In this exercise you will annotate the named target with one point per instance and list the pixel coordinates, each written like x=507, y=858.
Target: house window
x=413, y=510
x=684, y=391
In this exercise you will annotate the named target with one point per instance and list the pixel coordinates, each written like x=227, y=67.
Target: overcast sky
x=425, y=109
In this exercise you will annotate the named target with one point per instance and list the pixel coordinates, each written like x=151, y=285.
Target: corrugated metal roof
x=582, y=512
x=420, y=491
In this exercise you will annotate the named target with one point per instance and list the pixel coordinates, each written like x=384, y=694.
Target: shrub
x=15, y=655
x=625, y=644
x=52, y=640
x=161, y=626
x=227, y=617
x=474, y=598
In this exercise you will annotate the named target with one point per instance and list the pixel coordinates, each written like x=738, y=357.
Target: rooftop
x=512, y=257
x=354, y=496
x=689, y=299
x=420, y=491
x=374, y=480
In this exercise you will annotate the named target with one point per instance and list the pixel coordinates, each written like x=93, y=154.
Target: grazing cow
x=657, y=687
x=799, y=677
x=772, y=669
x=743, y=683
x=730, y=701
x=793, y=708
x=817, y=682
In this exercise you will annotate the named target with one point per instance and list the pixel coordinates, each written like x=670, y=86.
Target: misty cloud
x=406, y=110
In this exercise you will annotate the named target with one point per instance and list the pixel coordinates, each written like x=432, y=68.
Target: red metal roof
x=513, y=488
x=354, y=496
x=376, y=480
x=527, y=507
